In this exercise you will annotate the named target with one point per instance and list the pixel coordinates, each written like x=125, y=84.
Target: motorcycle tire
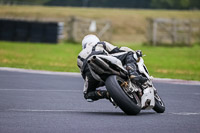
x=126, y=104
x=159, y=104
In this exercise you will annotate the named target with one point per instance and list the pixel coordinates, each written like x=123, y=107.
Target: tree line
x=147, y=4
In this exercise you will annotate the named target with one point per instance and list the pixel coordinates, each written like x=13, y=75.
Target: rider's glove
x=139, y=53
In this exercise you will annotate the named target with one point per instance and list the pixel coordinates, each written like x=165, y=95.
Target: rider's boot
x=99, y=94
x=96, y=95
x=132, y=70
x=134, y=76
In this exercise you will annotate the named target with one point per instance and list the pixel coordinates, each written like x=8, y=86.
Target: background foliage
x=160, y=4
x=128, y=25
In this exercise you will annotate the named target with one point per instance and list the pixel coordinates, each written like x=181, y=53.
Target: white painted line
x=196, y=93
x=186, y=113
x=39, y=71
x=41, y=90
x=176, y=81
x=51, y=110
x=159, y=80
x=43, y=110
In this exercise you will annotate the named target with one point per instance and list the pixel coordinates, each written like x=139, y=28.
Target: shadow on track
x=105, y=113
x=147, y=113
x=118, y=113
x=88, y=112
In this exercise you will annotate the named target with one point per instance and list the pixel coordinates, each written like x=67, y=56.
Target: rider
x=91, y=45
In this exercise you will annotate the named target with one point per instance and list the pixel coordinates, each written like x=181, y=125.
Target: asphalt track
x=34, y=102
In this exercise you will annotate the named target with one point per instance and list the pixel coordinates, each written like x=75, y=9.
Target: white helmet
x=90, y=41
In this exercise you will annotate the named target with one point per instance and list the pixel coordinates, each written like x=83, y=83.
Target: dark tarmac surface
x=45, y=103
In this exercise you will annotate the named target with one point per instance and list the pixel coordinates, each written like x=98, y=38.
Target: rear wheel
x=128, y=102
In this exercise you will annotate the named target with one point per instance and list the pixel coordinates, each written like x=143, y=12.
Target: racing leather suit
x=127, y=56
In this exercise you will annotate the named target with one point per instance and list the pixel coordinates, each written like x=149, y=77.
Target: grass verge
x=163, y=62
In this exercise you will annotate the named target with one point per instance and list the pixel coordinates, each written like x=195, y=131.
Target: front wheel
x=125, y=102
x=159, y=104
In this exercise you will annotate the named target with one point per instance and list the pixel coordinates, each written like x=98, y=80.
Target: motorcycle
x=130, y=97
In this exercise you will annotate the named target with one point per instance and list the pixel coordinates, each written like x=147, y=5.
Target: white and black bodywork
x=130, y=97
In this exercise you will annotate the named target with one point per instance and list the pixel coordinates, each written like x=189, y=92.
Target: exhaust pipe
x=94, y=57
x=100, y=66
x=100, y=62
x=96, y=67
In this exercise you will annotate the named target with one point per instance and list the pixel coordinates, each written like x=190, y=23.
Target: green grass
x=172, y=62
x=38, y=56
x=163, y=62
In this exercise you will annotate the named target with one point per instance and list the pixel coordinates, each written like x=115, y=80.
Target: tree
x=171, y=4
x=194, y=4
x=159, y=4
